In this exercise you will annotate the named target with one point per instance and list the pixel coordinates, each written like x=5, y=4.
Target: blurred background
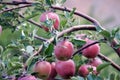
x=107, y=12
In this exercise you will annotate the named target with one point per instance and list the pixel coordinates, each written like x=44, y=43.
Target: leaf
x=112, y=76
x=48, y=2
x=106, y=34
x=78, y=42
x=49, y=50
x=117, y=77
x=71, y=13
x=102, y=66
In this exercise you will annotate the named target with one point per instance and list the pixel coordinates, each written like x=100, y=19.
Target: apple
x=65, y=69
x=95, y=62
x=0, y=29
x=50, y=16
x=92, y=51
x=28, y=77
x=83, y=70
x=43, y=68
x=53, y=72
x=64, y=50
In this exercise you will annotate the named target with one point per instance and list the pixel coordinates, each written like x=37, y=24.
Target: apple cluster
x=64, y=66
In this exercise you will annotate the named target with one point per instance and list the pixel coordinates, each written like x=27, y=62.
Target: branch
x=18, y=7
x=109, y=60
x=31, y=21
x=15, y=3
x=99, y=55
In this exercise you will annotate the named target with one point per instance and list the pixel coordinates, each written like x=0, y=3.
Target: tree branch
x=15, y=3
x=31, y=21
x=99, y=55
x=18, y=7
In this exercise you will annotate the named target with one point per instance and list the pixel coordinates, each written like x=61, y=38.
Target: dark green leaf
x=112, y=76
x=48, y=2
x=106, y=34
x=78, y=42
x=49, y=50
x=102, y=66
x=72, y=12
x=118, y=77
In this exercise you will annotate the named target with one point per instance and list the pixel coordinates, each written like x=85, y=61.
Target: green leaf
x=102, y=66
x=112, y=76
x=118, y=77
x=78, y=42
x=48, y=2
x=106, y=34
x=49, y=50
x=71, y=13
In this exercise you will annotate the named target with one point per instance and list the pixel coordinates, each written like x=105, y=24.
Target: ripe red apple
x=95, y=62
x=28, y=77
x=83, y=70
x=53, y=72
x=64, y=50
x=65, y=69
x=50, y=16
x=43, y=68
x=0, y=29
x=92, y=51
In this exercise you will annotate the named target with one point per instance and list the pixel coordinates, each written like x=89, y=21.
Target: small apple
x=50, y=16
x=92, y=51
x=83, y=70
x=95, y=62
x=53, y=72
x=43, y=68
x=65, y=69
x=0, y=29
x=64, y=50
x=28, y=77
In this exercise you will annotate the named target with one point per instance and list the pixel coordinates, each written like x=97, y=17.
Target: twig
x=40, y=38
x=18, y=7
x=79, y=50
x=109, y=60
x=99, y=55
x=31, y=21
x=15, y=3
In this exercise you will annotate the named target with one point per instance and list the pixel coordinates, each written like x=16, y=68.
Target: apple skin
x=0, y=29
x=95, y=62
x=65, y=69
x=43, y=68
x=64, y=50
x=92, y=51
x=28, y=77
x=50, y=15
x=53, y=72
x=83, y=70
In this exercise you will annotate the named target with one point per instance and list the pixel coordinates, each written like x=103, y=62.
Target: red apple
x=0, y=29
x=53, y=72
x=50, y=16
x=28, y=77
x=65, y=69
x=83, y=70
x=43, y=68
x=64, y=50
x=92, y=51
x=95, y=62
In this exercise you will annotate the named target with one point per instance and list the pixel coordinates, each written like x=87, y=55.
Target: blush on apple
x=65, y=69
x=64, y=50
x=92, y=51
x=50, y=16
x=43, y=68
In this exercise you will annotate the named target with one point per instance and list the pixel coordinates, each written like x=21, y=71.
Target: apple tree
x=42, y=40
